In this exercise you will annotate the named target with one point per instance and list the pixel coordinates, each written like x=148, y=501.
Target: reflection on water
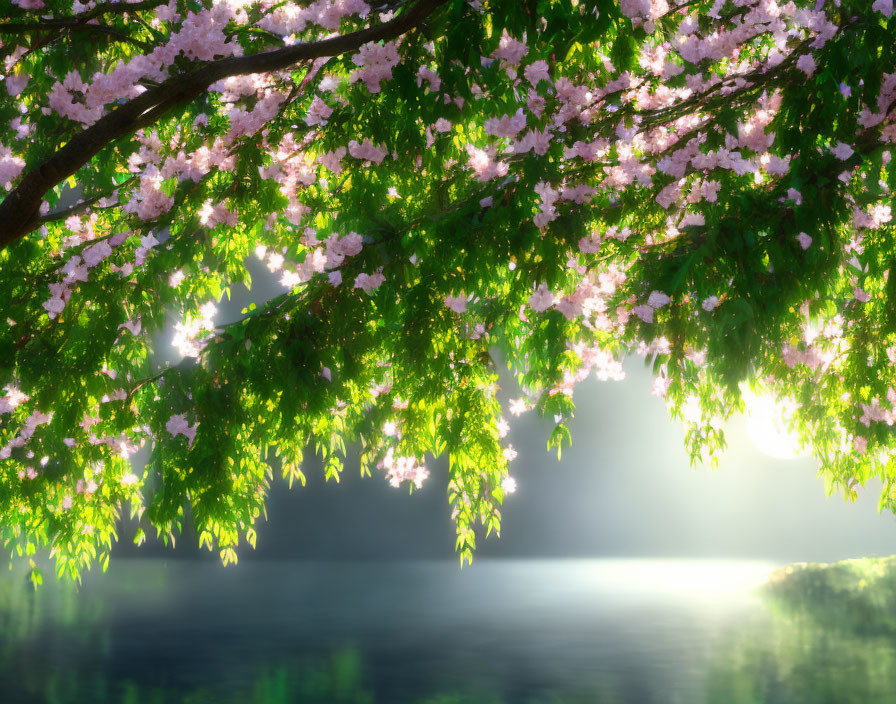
x=564, y=632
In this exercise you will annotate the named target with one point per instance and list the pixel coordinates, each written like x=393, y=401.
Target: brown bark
x=19, y=211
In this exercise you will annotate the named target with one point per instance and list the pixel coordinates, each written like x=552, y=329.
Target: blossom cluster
x=529, y=195
x=200, y=37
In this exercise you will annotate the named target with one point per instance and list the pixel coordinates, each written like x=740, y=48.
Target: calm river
x=558, y=632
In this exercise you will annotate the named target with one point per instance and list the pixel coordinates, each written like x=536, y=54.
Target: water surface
x=605, y=631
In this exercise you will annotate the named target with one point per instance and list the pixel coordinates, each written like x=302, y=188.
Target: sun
x=767, y=426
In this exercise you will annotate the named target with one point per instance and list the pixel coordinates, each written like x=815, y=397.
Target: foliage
x=829, y=639
x=565, y=181
x=854, y=596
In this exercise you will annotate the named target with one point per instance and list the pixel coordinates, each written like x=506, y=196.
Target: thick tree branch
x=19, y=211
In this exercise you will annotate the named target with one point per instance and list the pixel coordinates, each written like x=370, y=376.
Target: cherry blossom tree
x=706, y=183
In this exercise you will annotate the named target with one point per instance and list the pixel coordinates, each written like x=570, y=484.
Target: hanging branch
x=19, y=211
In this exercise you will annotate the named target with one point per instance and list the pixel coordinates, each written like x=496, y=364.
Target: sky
x=624, y=489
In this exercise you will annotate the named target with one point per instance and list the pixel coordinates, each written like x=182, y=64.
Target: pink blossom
x=74, y=270
x=884, y=6
x=570, y=306
x=132, y=326
x=806, y=64
x=318, y=112
x=506, y=126
x=658, y=299
x=404, y=469
x=669, y=195
x=537, y=71
x=777, y=166
x=375, y=64
x=710, y=304
x=366, y=151
x=661, y=386
x=424, y=73
x=10, y=166
x=535, y=103
x=795, y=196
x=484, y=165
x=16, y=83
x=332, y=160
x=710, y=190
x=635, y=8
x=442, y=125
x=54, y=306
x=542, y=299
x=590, y=245
x=94, y=254
x=579, y=194
x=218, y=214
x=645, y=313
x=842, y=151
x=548, y=211
x=456, y=303
x=369, y=282
x=536, y=141
x=33, y=421
x=861, y=296
x=178, y=425
x=152, y=201
x=589, y=151
x=248, y=122
x=12, y=400
x=804, y=240
x=351, y=244
x=510, y=50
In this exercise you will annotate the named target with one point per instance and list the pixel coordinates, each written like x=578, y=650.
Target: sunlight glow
x=767, y=426
x=718, y=580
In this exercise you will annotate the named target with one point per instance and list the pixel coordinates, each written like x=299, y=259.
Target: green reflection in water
x=831, y=639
